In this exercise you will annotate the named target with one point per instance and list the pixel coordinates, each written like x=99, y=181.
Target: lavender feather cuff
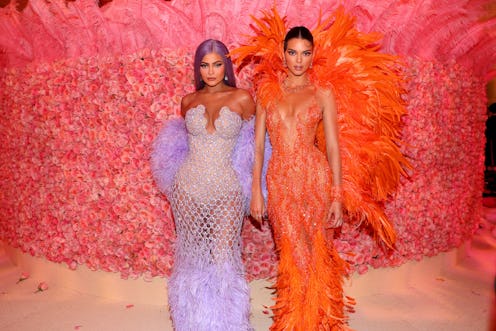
x=267, y=155
x=242, y=158
x=169, y=151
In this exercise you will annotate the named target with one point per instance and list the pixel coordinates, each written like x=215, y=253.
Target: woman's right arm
x=257, y=208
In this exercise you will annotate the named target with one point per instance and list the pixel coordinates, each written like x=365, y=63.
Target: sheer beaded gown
x=310, y=272
x=207, y=288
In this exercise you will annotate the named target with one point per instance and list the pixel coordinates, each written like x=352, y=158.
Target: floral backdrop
x=76, y=185
x=76, y=132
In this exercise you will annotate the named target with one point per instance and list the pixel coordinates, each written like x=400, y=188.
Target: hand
x=257, y=207
x=335, y=216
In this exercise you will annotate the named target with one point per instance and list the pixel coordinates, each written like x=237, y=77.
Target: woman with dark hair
x=207, y=288
x=303, y=193
x=331, y=105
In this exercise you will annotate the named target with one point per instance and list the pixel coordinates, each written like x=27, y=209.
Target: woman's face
x=298, y=56
x=212, y=69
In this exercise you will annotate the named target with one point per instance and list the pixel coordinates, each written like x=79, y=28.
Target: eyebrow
x=305, y=50
x=219, y=61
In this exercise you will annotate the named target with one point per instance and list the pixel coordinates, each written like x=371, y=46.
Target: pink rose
x=43, y=286
x=24, y=275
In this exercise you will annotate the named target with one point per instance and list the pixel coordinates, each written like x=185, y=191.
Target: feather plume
x=445, y=30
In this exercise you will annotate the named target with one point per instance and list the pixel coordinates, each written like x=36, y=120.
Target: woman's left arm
x=329, y=111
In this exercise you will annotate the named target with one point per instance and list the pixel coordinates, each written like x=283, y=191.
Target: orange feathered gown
x=367, y=86
x=310, y=272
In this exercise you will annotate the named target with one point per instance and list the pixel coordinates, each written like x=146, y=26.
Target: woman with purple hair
x=207, y=288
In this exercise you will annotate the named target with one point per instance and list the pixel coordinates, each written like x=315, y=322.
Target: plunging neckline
x=223, y=108
x=298, y=115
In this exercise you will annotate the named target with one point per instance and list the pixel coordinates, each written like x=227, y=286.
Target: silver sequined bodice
x=206, y=198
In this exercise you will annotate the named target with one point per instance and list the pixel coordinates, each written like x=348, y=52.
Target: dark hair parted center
x=299, y=32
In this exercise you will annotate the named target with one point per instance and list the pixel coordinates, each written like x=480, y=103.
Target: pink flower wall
x=76, y=184
x=75, y=181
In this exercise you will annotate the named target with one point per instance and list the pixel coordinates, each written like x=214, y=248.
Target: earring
x=225, y=78
x=311, y=65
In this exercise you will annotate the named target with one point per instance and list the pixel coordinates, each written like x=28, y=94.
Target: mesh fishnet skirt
x=207, y=288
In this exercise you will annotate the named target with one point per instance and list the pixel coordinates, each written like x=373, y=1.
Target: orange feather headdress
x=367, y=86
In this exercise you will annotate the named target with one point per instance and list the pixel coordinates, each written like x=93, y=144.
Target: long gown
x=309, y=293
x=207, y=288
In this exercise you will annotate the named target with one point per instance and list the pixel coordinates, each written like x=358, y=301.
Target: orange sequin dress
x=310, y=272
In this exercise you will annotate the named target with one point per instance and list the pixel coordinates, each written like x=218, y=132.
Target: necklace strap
x=294, y=89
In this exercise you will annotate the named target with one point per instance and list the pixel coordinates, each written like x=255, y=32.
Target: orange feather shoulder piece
x=367, y=86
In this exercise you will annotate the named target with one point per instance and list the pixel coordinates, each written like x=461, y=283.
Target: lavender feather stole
x=170, y=149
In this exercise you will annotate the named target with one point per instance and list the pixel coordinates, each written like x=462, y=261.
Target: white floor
x=453, y=291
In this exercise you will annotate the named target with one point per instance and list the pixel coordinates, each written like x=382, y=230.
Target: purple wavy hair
x=213, y=46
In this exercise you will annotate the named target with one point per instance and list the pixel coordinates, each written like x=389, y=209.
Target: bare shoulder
x=246, y=102
x=242, y=95
x=187, y=101
x=322, y=93
x=325, y=98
